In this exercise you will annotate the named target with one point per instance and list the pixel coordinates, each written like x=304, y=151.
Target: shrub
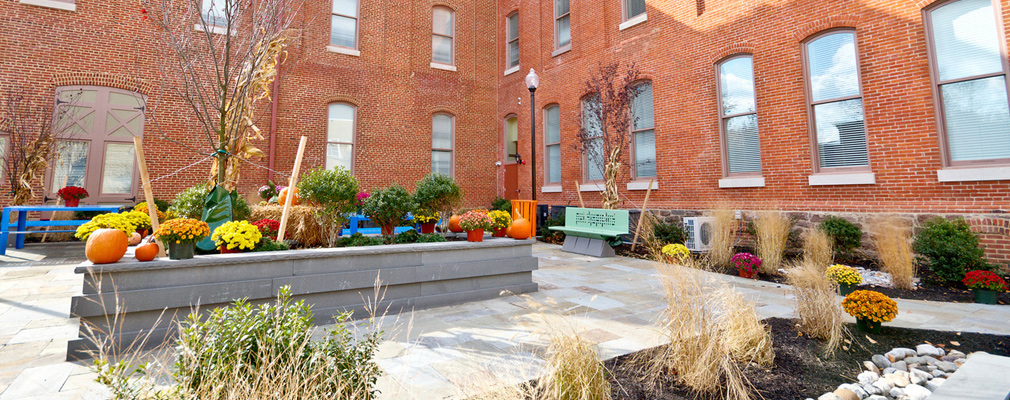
x=409, y=236
x=190, y=202
x=669, y=233
x=843, y=275
x=870, y=305
x=772, y=232
x=552, y=236
x=846, y=235
x=243, y=344
x=949, y=249
x=334, y=192
x=239, y=207
x=892, y=238
x=984, y=280
x=240, y=235
x=389, y=206
x=501, y=204
x=818, y=248
x=358, y=239
x=268, y=244
x=105, y=221
x=746, y=262
x=438, y=192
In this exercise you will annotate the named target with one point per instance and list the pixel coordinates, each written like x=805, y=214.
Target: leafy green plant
x=440, y=193
x=358, y=239
x=430, y=238
x=190, y=202
x=552, y=236
x=268, y=244
x=389, y=206
x=239, y=207
x=242, y=340
x=501, y=204
x=949, y=249
x=409, y=236
x=846, y=235
x=334, y=192
x=669, y=233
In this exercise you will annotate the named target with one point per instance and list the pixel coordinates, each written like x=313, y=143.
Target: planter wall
x=414, y=276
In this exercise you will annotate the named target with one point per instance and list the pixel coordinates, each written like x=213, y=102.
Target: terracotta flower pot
x=747, y=274
x=226, y=250
x=428, y=228
x=476, y=235
x=868, y=326
x=388, y=229
x=501, y=232
x=71, y=202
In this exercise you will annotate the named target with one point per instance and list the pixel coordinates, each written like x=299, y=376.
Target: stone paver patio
x=438, y=353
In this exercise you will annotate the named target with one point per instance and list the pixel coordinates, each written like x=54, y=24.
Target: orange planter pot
x=476, y=235
x=500, y=232
x=226, y=250
x=428, y=228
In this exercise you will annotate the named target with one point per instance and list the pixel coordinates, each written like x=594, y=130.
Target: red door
x=512, y=181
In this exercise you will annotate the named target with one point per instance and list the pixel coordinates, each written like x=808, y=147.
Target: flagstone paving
x=446, y=352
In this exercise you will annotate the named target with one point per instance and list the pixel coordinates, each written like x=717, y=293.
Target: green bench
x=593, y=231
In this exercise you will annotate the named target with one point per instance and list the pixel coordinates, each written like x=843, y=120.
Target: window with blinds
x=643, y=132
x=442, y=130
x=738, y=116
x=512, y=39
x=562, y=24
x=442, y=31
x=552, y=141
x=340, y=136
x=633, y=8
x=835, y=100
x=970, y=76
x=344, y=24
x=594, y=156
x=213, y=12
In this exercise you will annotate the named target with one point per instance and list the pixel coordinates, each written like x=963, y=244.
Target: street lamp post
x=532, y=81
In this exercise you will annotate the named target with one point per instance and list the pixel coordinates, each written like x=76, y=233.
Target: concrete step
x=983, y=377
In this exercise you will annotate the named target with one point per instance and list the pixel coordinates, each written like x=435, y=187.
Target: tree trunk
x=610, y=195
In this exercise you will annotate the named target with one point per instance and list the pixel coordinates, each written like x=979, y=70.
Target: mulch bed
x=800, y=370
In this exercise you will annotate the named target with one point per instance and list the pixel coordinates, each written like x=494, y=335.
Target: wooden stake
x=578, y=190
x=291, y=189
x=645, y=204
x=148, y=190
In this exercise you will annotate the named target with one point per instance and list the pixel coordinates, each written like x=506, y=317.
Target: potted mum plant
x=426, y=219
x=388, y=207
x=985, y=284
x=474, y=223
x=500, y=221
x=105, y=221
x=677, y=253
x=870, y=309
x=746, y=264
x=236, y=236
x=268, y=227
x=72, y=195
x=845, y=276
x=181, y=235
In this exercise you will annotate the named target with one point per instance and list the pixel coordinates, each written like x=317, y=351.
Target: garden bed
x=333, y=280
x=799, y=370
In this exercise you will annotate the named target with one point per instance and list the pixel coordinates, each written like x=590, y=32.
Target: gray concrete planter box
x=414, y=276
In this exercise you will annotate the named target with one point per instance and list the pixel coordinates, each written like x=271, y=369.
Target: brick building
x=854, y=107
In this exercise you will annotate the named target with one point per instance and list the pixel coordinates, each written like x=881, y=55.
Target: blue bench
x=356, y=219
x=23, y=223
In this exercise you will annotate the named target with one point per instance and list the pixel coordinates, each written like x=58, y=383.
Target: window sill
x=562, y=50
x=859, y=178
x=59, y=5
x=591, y=187
x=550, y=189
x=444, y=67
x=343, y=50
x=973, y=174
x=638, y=19
x=643, y=185
x=219, y=30
x=742, y=182
x=512, y=70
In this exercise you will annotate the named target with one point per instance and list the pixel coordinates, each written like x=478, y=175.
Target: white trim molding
x=445, y=67
x=742, y=182
x=220, y=30
x=562, y=50
x=512, y=70
x=591, y=187
x=973, y=174
x=550, y=189
x=59, y=5
x=639, y=185
x=638, y=19
x=859, y=178
x=343, y=50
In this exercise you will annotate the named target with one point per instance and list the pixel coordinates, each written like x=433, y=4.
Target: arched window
x=340, y=129
x=443, y=129
x=552, y=143
x=643, y=133
x=969, y=68
x=442, y=34
x=511, y=139
x=835, y=101
x=738, y=116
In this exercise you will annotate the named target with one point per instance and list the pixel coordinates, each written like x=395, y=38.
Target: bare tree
x=605, y=123
x=221, y=58
x=33, y=131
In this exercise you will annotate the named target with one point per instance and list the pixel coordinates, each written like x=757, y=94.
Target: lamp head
x=532, y=80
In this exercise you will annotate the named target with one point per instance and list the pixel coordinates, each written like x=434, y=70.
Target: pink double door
x=96, y=149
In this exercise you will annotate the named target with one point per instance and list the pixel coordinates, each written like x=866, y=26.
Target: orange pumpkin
x=146, y=252
x=283, y=197
x=135, y=239
x=520, y=229
x=454, y=224
x=106, y=246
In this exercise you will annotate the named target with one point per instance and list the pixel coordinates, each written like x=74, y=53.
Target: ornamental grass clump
x=772, y=233
x=106, y=221
x=818, y=248
x=676, y=252
x=892, y=238
x=843, y=275
x=237, y=235
x=746, y=264
x=984, y=280
x=871, y=306
x=182, y=230
x=724, y=231
x=817, y=307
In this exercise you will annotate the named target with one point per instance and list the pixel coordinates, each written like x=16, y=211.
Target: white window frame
x=634, y=134
x=510, y=68
x=558, y=47
x=354, y=132
x=547, y=146
x=452, y=140
x=452, y=40
x=336, y=48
